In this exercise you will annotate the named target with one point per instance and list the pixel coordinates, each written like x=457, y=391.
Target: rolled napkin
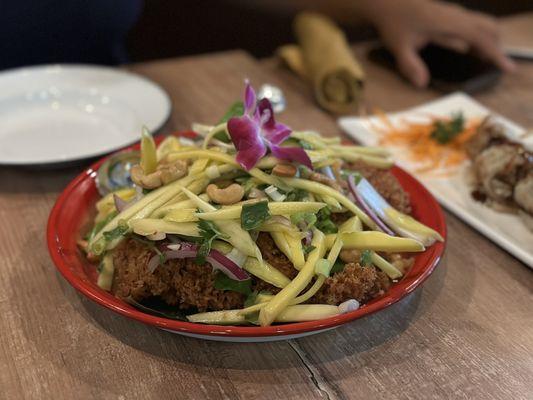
x=324, y=57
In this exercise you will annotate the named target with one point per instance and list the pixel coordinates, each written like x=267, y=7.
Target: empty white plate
x=453, y=191
x=63, y=113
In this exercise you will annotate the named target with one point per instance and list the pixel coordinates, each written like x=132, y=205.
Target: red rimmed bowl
x=71, y=215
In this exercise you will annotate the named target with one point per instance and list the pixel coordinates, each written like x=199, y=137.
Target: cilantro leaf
x=208, y=232
x=304, y=144
x=366, y=258
x=308, y=249
x=223, y=282
x=324, y=222
x=301, y=218
x=235, y=110
x=338, y=266
x=445, y=131
x=296, y=195
x=251, y=299
x=253, y=215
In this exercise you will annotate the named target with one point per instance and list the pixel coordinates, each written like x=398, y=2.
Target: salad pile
x=201, y=210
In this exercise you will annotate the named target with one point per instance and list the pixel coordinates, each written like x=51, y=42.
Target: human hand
x=409, y=25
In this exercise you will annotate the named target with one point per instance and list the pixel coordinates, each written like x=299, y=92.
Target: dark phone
x=450, y=71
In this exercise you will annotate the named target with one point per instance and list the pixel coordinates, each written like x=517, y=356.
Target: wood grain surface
x=466, y=334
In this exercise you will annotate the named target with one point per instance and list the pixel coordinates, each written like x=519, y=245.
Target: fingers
x=454, y=43
x=482, y=33
x=410, y=64
x=493, y=52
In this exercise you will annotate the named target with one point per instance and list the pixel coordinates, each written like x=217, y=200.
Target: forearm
x=343, y=11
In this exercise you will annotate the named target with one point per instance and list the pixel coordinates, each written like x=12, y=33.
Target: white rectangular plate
x=453, y=191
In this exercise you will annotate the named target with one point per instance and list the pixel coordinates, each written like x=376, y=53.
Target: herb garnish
x=366, y=258
x=296, y=195
x=304, y=218
x=322, y=220
x=235, y=110
x=338, y=266
x=208, y=232
x=445, y=131
x=304, y=144
x=308, y=248
x=324, y=223
x=223, y=282
x=251, y=299
x=254, y=215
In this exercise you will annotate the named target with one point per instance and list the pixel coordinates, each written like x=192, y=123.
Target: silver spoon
x=114, y=173
x=275, y=95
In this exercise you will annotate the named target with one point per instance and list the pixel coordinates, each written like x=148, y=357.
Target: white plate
x=453, y=191
x=63, y=113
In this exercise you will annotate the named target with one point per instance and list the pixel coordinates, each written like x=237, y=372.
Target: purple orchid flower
x=256, y=131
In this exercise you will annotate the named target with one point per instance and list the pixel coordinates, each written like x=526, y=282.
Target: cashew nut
x=350, y=255
x=165, y=173
x=286, y=170
x=230, y=195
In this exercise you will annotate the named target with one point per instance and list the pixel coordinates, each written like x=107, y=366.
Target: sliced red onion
x=221, y=262
x=217, y=260
x=237, y=256
x=366, y=208
x=153, y=263
x=308, y=237
x=120, y=204
x=138, y=193
x=328, y=172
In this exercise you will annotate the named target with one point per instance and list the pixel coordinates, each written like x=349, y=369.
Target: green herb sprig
x=254, y=215
x=445, y=131
x=208, y=232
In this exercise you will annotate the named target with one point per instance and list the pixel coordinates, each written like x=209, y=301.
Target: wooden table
x=467, y=333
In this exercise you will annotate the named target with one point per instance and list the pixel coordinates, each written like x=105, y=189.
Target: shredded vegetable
x=278, y=251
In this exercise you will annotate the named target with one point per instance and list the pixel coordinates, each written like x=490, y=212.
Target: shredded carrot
x=421, y=147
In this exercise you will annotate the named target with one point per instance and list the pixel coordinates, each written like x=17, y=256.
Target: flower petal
x=273, y=131
x=245, y=134
x=249, y=98
x=291, y=154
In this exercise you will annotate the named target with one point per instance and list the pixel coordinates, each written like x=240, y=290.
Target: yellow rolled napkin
x=323, y=56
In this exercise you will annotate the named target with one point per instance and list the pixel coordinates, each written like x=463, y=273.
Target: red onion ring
x=120, y=204
x=308, y=237
x=366, y=208
x=217, y=260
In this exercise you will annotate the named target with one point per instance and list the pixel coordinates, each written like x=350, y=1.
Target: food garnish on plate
x=436, y=146
x=253, y=223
